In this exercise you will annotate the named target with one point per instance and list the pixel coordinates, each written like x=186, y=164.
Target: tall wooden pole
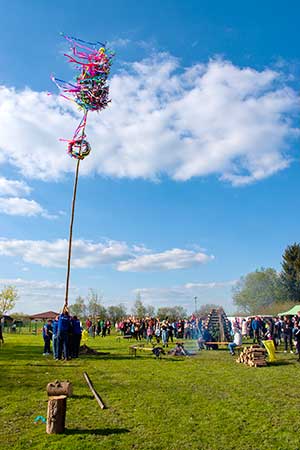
x=71, y=234
x=82, y=126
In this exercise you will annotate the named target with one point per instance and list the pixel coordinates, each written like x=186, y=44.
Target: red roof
x=44, y=315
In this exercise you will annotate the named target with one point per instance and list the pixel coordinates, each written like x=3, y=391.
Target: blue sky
x=193, y=176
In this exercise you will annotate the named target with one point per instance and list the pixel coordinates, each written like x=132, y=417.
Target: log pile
x=253, y=356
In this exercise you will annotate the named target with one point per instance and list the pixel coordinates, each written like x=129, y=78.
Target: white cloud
x=16, y=206
x=118, y=42
x=209, y=119
x=170, y=259
x=36, y=296
x=33, y=284
x=90, y=254
x=13, y=187
x=212, y=285
x=54, y=254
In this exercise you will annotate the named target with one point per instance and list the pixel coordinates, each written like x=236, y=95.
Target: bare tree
x=8, y=298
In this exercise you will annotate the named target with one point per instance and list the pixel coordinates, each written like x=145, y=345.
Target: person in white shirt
x=237, y=341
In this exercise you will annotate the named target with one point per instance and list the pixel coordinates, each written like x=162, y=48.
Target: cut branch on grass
x=94, y=392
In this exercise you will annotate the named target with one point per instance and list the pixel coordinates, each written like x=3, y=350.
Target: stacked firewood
x=253, y=356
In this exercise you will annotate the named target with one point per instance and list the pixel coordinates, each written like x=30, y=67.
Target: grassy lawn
x=203, y=402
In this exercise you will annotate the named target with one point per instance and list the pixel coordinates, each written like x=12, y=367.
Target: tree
x=172, y=312
x=290, y=275
x=139, y=309
x=116, y=313
x=150, y=311
x=8, y=298
x=257, y=290
x=95, y=308
x=79, y=308
x=205, y=309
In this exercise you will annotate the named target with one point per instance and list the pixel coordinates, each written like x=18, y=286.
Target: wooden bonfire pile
x=218, y=325
x=253, y=356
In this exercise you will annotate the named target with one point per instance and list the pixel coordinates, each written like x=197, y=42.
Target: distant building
x=44, y=316
x=6, y=321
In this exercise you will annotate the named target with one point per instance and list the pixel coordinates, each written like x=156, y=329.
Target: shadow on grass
x=76, y=396
x=281, y=363
x=98, y=431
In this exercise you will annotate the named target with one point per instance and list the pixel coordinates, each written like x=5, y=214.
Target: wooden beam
x=94, y=392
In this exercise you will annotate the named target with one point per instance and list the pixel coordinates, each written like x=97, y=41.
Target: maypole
x=90, y=92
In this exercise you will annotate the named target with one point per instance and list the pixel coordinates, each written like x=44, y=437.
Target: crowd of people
x=156, y=330
x=99, y=327
x=65, y=332
x=281, y=330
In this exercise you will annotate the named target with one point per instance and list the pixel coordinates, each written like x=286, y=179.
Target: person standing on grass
x=165, y=333
x=287, y=329
x=171, y=331
x=63, y=334
x=150, y=332
x=1, y=335
x=157, y=332
x=297, y=338
x=55, y=338
x=76, y=338
x=244, y=328
x=256, y=327
x=237, y=340
x=108, y=327
x=47, y=334
x=103, y=328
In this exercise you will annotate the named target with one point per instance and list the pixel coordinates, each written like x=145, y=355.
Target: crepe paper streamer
x=89, y=90
x=39, y=418
x=270, y=347
x=79, y=148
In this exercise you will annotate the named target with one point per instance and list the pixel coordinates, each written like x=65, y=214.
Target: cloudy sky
x=193, y=176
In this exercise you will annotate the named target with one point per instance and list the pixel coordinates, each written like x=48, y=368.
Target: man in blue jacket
x=256, y=327
x=64, y=325
x=55, y=337
x=76, y=336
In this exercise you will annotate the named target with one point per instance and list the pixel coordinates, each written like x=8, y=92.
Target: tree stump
x=60, y=388
x=56, y=414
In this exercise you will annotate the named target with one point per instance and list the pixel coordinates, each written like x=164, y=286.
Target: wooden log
x=56, y=415
x=94, y=392
x=60, y=388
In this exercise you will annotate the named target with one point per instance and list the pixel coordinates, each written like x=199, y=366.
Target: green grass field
x=203, y=402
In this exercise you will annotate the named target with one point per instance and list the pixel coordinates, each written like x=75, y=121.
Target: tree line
x=268, y=291
x=92, y=306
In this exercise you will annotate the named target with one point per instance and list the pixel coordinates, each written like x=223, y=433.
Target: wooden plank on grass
x=93, y=390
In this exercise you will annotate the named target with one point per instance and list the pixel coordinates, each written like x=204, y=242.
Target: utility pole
x=195, y=298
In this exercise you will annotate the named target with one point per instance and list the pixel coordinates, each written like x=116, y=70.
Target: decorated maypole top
x=90, y=90
x=92, y=61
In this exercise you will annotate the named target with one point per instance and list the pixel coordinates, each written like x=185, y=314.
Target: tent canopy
x=44, y=316
x=292, y=312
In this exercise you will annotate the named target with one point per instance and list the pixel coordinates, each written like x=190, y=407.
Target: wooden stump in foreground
x=56, y=414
